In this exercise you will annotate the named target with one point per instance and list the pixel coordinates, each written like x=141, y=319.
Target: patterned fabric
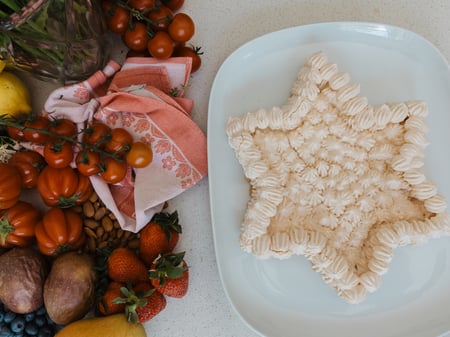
x=137, y=97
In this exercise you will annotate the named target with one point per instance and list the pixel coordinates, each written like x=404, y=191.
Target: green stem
x=6, y=122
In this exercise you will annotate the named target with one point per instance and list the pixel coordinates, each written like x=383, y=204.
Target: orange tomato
x=10, y=185
x=63, y=187
x=17, y=225
x=60, y=230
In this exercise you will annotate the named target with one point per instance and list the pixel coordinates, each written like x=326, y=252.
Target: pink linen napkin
x=137, y=97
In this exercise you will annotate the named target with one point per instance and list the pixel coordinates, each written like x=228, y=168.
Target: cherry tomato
x=141, y=5
x=96, y=134
x=63, y=127
x=160, y=18
x=173, y=4
x=117, y=19
x=160, y=46
x=31, y=131
x=136, y=37
x=192, y=52
x=15, y=133
x=113, y=171
x=58, y=155
x=88, y=162
x=140, y=155
x=181, y=28
x=120, y=141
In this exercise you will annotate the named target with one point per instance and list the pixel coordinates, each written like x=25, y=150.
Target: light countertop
x=221, y=27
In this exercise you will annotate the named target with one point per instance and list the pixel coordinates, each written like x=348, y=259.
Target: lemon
x=14, y=94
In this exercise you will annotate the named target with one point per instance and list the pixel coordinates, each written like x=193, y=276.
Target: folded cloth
x=137, y=97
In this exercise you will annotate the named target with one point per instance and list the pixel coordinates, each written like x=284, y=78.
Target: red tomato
x=181, y=28
x=173, y=4
x=160, y=18
x=18, y=224
x=117, y=19
x=10, y=185
x=58, y=155
x=136, y=37
x=113, y=171
x=15, y=133
x=160, y=46
x=59, y=231
x=32, y=131
x=63, y=187
x=88, y=162
x=192, y=52
x=96, y=134
x=29, y=164
x=120, y=141
x=63, y=127
x=140, y=155
x=141, y=5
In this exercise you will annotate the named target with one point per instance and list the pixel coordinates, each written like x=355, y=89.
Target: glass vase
x=58, y=40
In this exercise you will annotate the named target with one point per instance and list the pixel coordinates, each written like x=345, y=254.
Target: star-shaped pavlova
x=336, y=179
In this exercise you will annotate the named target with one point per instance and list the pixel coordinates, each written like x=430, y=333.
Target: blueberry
x=9, y=316
x=5, y=331
x=30, y=316
x=2, y=316
x=41, y=311
x=40, y=321
x=45, y=332
x=18, y=324
x=31, y=328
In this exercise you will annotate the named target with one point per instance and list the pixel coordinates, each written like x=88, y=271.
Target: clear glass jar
x=59, y=40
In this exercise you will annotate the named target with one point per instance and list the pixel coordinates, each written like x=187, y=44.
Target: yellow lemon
x=14, y=94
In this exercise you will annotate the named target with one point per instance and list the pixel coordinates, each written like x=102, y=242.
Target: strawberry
x=159, y=236
x=106, y=306
x=170, y=275
x=124, y=265
x=142, y=302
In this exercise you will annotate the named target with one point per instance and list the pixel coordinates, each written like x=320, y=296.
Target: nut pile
x=102, y=228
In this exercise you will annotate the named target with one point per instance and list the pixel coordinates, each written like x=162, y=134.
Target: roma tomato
x=63, y=187
x=140, y=155
x=136, y=37
x=10, y=185
x=58, y=155
x=173, y=4
x=59, y=231
x=160, y=17
x=192, y=52
x=32, y=131
x=63, y=127
x=120, y=141
x=117, y=19
x=113, y=171
x=29, y=164
x=141, y=5
x=182, y=27
x=97, y=134
x=17, y=225
x=161, y=46
x=88, y=162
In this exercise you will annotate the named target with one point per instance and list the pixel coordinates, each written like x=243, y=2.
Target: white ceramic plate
x=286, y=298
